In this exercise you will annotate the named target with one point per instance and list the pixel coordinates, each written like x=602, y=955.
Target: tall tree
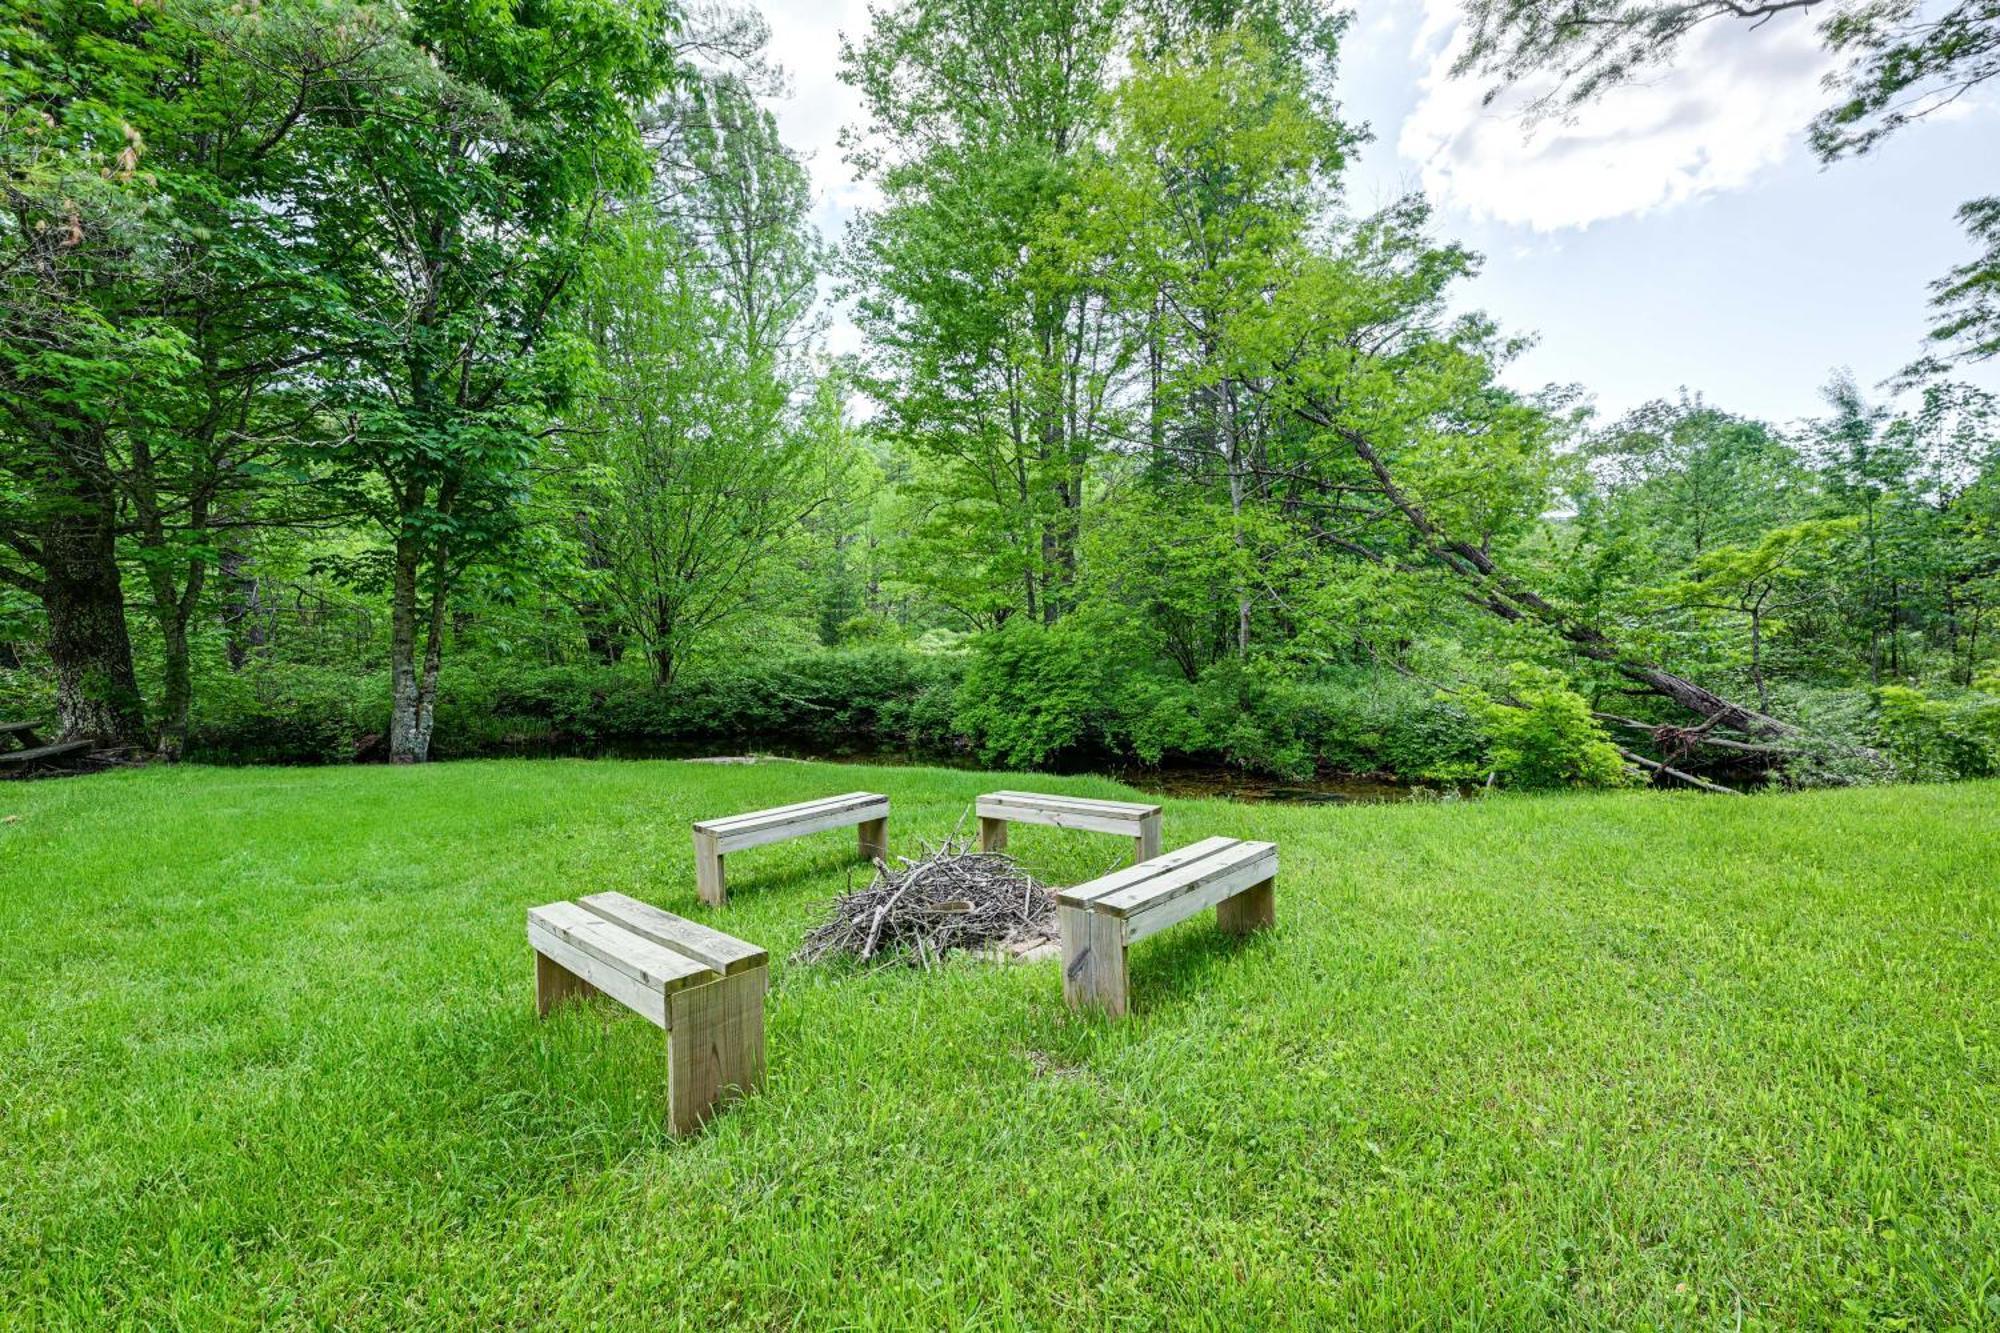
x=82, y=354
x=991, y=354
x=455, y=211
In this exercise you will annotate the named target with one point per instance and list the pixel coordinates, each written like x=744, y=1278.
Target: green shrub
x=1933, y=739
x=1032, y=692
x=859, y=701
x=1542, y=736
x=289, y=714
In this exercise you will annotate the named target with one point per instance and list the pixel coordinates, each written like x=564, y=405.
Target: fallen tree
x=1770, y=740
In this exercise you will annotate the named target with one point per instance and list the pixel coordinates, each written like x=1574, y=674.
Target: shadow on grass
x=757, y=879
x=1178, y=966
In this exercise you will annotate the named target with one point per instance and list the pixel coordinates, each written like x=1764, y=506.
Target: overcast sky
x=1678, y=233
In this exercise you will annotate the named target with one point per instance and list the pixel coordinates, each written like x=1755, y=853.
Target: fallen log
x=1666, y=770
x=1501, y=594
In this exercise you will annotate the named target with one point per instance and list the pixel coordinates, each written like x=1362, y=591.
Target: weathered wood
x=555, y=983
x=1137, y=821
x=648, y=965
x=649, y=1002
x=1149, y=837
x=992, y=834
x=872, y=839
x=715, y=838
x=1239, y=866
x=705, y=988
x=1073, y=927
x=1256, y=908
x=716, y=1050
x=40, y=753
x=1100, y=921
x=782, y=812
x=711, y=948
x=794, y=821
x=1082, y=895
x=711, y=881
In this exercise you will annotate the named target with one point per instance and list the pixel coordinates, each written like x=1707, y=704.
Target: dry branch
x=954, y=897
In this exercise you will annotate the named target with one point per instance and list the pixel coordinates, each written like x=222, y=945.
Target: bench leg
x=1093, y=952
x=992, y=834
x=1148, y=839
x=715, y=1046
x=708, y=877
x=872, y=838
x=1256, y=908
x=555, y=983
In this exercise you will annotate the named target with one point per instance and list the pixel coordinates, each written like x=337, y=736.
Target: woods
x=395, y=382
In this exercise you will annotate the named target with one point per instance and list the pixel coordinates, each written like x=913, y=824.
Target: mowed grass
x=268, y=1055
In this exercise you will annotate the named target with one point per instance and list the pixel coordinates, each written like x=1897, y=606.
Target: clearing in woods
x=271, y=1054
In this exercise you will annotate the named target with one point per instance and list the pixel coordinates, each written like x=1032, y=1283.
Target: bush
x=1934, y=739
x=1032, y=692
x=862, y=701
x=289, y=714
x=1026, y=696
x=1543, y=735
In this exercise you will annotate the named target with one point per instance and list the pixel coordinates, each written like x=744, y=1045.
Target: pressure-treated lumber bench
x=715, y=838
x=997, y=809
x=1100, y=920
x=705, y=988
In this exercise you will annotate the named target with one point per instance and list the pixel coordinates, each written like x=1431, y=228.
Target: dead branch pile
x=954, y=897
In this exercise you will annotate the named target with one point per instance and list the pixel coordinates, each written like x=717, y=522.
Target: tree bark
x=97, y=691
x=406, y=739
x=242, y=607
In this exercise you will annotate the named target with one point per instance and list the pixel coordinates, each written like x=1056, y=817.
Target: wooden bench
x=31, y=752
x=715, y=838
x=1100, y=920
x=705, y=988
x=997, y=809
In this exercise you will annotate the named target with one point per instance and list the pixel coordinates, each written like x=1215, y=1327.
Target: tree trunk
x=407, y=742
x=1757, y=660
x=242, y=607
x=1503, y=596
x=97, y=691
x=1232, y=437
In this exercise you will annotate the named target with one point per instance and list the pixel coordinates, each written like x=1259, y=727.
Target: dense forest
x=447, y=378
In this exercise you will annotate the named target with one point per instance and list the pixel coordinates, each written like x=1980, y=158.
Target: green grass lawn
x=268, y=1053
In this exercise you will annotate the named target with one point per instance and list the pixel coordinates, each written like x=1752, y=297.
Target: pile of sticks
x=954, y=897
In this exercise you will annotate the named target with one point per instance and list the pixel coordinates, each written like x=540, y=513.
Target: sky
x=1675, y=234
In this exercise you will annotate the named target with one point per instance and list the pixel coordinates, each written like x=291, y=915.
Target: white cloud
x=805, y=39
x=1731, y=106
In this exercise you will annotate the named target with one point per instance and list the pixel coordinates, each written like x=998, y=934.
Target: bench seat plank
x=714, y=839
x=634, y=969
x=1083, y=804
x=1101, y=920
x=1083, y=895
x=41, y=752
x=703, y=987
x=1134, y=819
x=724, y=953
x=765, y=826
x=782, y=813
x=1214, y=890
x=1089, y=821
x=1225, y=864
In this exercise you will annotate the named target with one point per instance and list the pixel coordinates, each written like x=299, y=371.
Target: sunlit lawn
x=268, y=1054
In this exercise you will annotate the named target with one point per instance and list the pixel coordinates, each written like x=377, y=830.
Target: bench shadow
x=841, y=864
x=1182, y=963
